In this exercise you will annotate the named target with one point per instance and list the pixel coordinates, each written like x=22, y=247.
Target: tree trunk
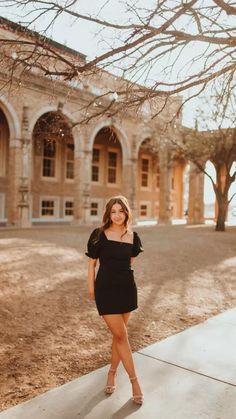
x=222, y=211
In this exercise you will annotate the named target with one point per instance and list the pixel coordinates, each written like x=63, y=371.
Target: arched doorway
x=106, y=170
x=4, y=167
x=53, y=186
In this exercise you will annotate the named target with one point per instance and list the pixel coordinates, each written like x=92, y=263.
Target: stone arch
x=120, y=133
x=12, y=118
x=53, y=157
x=46, y=109
x=138, y=144
x=78, y=138
x=107, y=154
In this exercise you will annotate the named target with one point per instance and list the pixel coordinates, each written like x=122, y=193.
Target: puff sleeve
x=93, y=248
x=137, y=246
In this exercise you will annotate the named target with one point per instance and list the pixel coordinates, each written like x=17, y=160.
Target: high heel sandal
x=139, y=398
x=110, y=389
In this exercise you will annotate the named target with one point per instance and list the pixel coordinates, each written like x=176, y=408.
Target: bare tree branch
x=230, y=10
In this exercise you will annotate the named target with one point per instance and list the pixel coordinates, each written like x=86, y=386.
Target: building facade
x=54, y=169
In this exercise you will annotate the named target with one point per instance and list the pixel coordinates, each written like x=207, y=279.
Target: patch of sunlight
x=67, y=275
x=146, y=222
x=230, y=263
x=179, y=221
x=231, y=222
x=209, y=222
x=192, y=226
x=50, y=283
x=15, y=242
x=64, y=254
x=23, y=253
x=211, y=275
x=13, y=256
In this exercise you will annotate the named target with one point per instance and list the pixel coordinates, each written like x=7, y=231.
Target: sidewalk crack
x=186, y=369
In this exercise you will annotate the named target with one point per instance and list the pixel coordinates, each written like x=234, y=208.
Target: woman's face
x=117, y=215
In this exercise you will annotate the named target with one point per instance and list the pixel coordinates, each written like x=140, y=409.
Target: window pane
x=48, y=167
x=69, y=208
x=49, y=155
x=47, y=208
x=143, y=210
x=145, y=163
x=95, y=173
x=70, y=170
x=96, y=155
x=49, y=148
x=111, y=175
x=94, y=208
x=112, y=159
x=70, y=151
x=144, y=181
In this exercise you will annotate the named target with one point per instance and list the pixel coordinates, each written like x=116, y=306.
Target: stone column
x=83, y=186
x=25, y=178
x=196, y=196
x=78, y=176
x=129, y=172
x=130, y=186
x=86, y=189
x=83, y=162
x=165, y=186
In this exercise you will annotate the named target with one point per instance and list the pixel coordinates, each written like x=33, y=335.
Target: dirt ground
x=51, y=333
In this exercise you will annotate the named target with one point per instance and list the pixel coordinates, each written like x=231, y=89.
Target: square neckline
x=118, y=241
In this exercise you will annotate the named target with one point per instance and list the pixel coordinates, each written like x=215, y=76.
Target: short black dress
x=115, y=288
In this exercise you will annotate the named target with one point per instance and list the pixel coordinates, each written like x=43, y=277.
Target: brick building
x=53, y=169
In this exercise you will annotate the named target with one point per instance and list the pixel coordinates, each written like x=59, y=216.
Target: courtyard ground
x=51, y=333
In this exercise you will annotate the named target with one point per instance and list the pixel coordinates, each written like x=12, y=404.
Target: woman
x=114, y=289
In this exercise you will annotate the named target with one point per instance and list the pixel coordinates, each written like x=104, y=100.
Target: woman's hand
x=91, y=295
x=91, y=278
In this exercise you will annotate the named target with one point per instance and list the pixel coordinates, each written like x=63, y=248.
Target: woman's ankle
x=133, y=378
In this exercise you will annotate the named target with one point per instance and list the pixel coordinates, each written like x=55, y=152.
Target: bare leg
x=116, y=324
x=115, y=357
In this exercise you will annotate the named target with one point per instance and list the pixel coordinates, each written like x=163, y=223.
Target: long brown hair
x=106, y=220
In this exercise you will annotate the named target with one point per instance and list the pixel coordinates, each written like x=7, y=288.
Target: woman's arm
x=91, y=277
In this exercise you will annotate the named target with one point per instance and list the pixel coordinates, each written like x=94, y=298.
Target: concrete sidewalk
x=191, y=375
